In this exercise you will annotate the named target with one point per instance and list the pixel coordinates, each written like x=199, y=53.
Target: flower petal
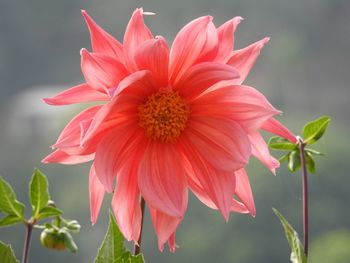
x=215, y=149
x=126, y=200
x=171, y=243
x=101, y=41
x=243, y=104
x=200, y=193
x=62, y=157
x=114, y=150
x=135, y=34
x=70, y=136
x=189, y=45
x=78, y=94
x=244, y=191
x=202, y=76
x=97, y=193
x=274, y=126
x=153, y=55
x=244, y=59
x=223, y=143
x=261, y=151
x=165, y=227
x=226, y=38
x=132, y=91
x=162, y=179
x=101, y=72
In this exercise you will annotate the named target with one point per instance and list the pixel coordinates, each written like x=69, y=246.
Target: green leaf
x=313, y=151
x=310, y=163
x=297, y=249
x=278, y=143
x=48, y=212
x=10, y=220
x=38, y=192
x=284, y=158
x=294, y=161
x=6, y=254
x=314, y=130
x=8, y=200
x=112, y=249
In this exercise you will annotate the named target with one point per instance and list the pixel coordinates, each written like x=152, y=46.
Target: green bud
x=53, y=239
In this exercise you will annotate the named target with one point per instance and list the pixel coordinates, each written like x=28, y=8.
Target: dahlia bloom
x=173, y=118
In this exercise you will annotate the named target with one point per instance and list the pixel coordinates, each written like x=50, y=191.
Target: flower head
x=174, y=118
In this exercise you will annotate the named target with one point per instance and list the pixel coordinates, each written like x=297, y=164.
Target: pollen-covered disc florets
x=164, y=116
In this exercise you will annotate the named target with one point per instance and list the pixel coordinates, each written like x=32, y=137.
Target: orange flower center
x=164, y=116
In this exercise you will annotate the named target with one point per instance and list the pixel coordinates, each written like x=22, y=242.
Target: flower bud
x=52, y=239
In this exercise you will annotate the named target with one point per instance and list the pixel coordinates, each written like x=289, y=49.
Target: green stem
x=137, y=247
x=302, y=145
x=29, y=229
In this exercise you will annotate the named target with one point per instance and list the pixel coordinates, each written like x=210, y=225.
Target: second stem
x=305, y=196
x=137, y=247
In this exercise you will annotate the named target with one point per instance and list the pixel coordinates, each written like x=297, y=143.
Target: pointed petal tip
x=83, y=52
x=160, y=247
x=209, y=18
x=253, y=213
x=47, y=159
x=48, y=101
x=261, y=43
x=265, y=41
x=237, y=19
x=225, y=214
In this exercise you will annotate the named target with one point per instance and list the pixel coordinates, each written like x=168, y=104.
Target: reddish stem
x=137, y=247
x=29, y=228
x=302, y=145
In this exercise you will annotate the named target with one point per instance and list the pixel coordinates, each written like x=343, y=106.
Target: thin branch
x=305, y=196
x=137, y=247
x=29, y=228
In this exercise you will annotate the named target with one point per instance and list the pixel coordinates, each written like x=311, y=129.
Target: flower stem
x=302, y=145
x=137, y=247
x=29, y=229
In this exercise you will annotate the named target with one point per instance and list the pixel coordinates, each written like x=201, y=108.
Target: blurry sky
x=304, y=71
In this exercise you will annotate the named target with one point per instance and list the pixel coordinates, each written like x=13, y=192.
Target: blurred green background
x=304, y=71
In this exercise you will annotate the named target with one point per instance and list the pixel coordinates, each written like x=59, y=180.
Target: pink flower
x=173, y=119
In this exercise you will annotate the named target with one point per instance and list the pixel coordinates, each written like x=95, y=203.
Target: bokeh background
x=304, y=71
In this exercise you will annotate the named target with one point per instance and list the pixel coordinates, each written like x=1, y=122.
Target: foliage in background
x=313, y=131
x=112, y=249
x=55, y=235
x=298, y=156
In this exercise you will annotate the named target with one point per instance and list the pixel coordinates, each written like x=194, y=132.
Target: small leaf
x=38, y=192
x=294, y=161
x=48, y=212
x=68, y=241
x=8, y=200
x=279, y=143
x=10, y=220
x=6, y=254
x=314, y=130
x=284, y=158
x=313, y=151
x=297, y=254
x=310, y=163
x=112, y=249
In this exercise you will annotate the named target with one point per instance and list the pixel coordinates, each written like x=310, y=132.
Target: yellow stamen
x=164, y=116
